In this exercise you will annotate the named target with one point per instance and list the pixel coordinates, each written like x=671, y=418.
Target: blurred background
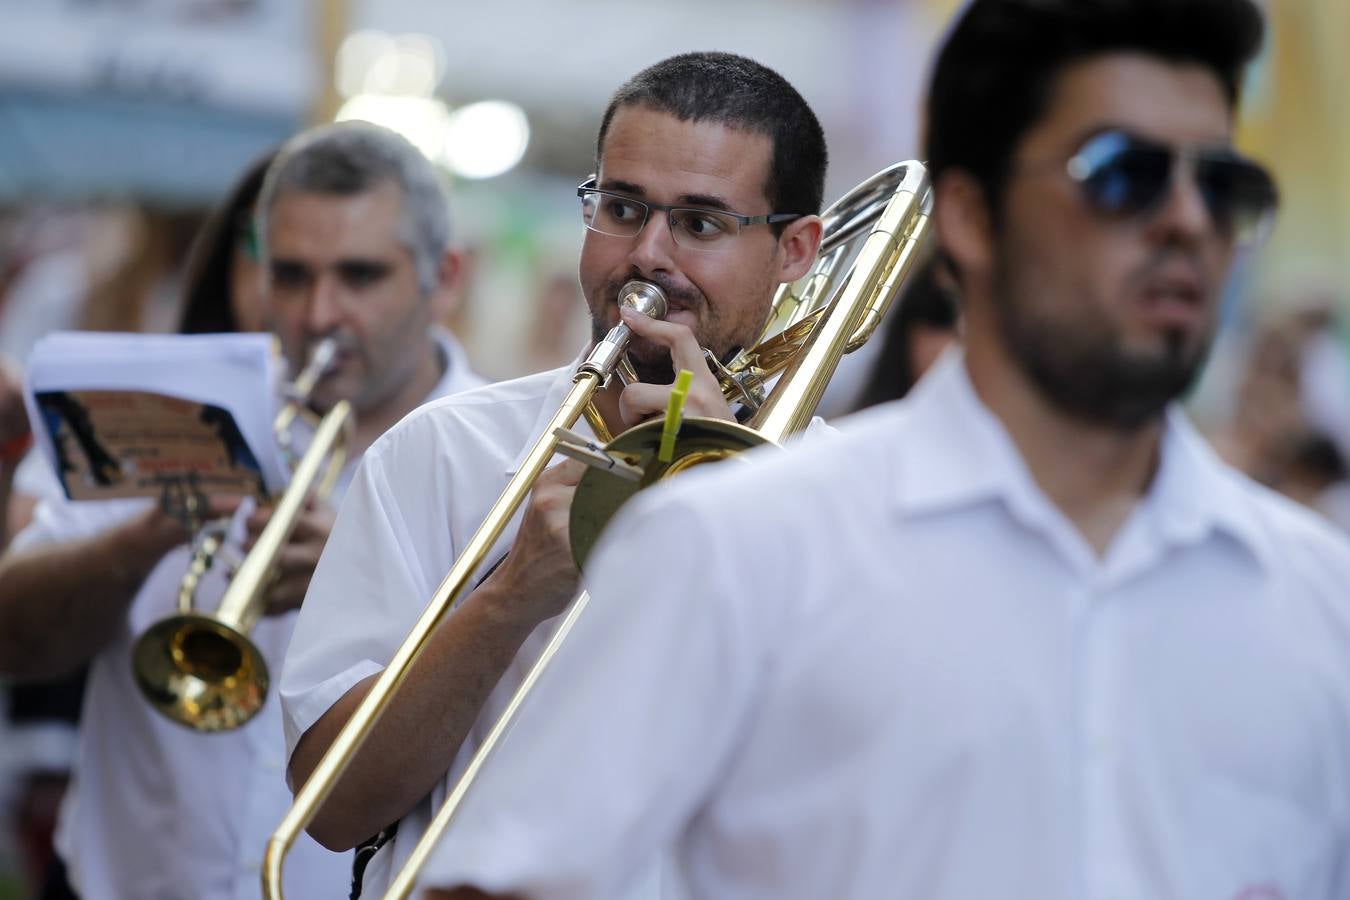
x=123, y=121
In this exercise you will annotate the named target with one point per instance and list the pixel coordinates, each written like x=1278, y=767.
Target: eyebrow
x=711, y=201
x=627, y=187
x=708, y=200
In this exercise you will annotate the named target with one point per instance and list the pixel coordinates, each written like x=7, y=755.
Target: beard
x=651, y=361
x=1082, y=366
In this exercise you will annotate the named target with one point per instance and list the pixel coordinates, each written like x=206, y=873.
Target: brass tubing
x=406, y=880
x=790, y=407
x=901, y=222
x=591, y=375
x=241, y=604
x=325, y=776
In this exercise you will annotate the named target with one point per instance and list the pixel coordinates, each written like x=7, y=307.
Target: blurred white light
x=422, y=120
x=485, y=139
x=357, y=56
x=372, y=62
x=421, y=62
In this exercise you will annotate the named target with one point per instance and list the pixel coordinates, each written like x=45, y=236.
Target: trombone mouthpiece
x=642, y=296
x=645, y=297
x=321, y=358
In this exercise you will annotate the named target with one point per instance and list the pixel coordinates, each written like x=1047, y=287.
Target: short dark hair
x=739, y=93
x=998, y=65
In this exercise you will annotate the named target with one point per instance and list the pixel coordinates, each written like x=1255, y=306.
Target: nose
x=654, y=246
x=323, y=312
x=1184, y=214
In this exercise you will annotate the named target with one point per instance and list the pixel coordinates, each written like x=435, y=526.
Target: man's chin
x=651, y=362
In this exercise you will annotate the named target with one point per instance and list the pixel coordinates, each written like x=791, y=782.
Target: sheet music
x=125, y=415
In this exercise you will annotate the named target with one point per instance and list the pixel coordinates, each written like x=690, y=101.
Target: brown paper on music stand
x=116, y=444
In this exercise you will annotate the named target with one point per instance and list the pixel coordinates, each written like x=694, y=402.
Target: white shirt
x=422, y=491
x=922, y=683
x=159, y=812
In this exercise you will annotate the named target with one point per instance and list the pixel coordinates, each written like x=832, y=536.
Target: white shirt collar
x=562, y=380
x=1192, y=495
x=457, y=375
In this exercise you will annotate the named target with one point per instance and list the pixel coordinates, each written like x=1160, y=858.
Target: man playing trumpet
x=356, y=245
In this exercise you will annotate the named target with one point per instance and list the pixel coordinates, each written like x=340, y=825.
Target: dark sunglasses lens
x=1120, y=175
x=1240, y=195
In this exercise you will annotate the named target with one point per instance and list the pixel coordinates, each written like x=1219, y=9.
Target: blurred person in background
x=1021, y=634
x=15, y=436
x=356, y=245
x=221, y=293
x=142, y=292
x=223, y=279
x=1290, y=426
x=925, y=323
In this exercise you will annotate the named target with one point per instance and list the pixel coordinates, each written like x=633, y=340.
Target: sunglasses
x=1123, y=175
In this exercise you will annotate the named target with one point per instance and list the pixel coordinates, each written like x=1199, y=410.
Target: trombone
x=816, y=325
x=201, y=669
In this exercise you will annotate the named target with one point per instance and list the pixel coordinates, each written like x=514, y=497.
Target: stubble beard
x=1082, y=367
x=650, y=361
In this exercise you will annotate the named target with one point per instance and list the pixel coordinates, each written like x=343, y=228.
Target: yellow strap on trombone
x=674, y=415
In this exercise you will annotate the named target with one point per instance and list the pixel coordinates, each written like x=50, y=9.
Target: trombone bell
x=601, y=492
x=200, y=672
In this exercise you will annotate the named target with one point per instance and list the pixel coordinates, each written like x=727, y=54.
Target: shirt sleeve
x=365, y=594
x=629, y=727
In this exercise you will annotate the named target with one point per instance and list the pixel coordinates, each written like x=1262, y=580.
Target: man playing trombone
x=356, y=242
x=710, y=172
x=1020, y=635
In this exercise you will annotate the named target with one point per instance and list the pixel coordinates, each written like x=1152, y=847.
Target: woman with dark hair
x=222, y=282
x=221, y=293
x=925, y=323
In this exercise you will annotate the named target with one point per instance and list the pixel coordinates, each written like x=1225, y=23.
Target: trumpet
x=201, y=669
x=878, y=226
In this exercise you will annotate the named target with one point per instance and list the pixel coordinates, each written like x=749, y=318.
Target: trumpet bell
x=600, y=493
x=200, y=672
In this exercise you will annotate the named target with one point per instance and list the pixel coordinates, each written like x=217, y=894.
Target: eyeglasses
x=695, y=228
x=1124, y=175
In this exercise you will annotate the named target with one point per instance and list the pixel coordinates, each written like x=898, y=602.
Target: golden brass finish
x=701, y=441
x=603, y=361
x=201, y=670
x=821, y=324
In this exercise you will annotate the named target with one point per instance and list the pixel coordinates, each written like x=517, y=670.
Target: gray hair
x=353, y=157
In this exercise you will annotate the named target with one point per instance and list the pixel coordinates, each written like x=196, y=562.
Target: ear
x=964, y=225
x=445, y=297
x=799, y=242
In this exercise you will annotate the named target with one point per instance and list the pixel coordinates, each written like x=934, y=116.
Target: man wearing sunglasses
x=710, y=171
x=1019, y=635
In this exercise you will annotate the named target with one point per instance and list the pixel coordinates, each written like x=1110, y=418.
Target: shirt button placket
x=1098, y=722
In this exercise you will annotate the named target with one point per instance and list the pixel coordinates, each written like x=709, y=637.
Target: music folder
x=140, y=415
